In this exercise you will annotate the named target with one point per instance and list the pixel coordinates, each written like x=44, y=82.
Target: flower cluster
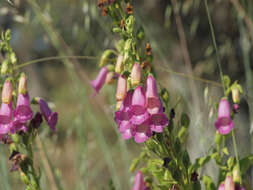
x=141, y=111
x=15, y=120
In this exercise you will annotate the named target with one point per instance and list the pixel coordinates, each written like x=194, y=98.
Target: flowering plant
x=144, y=112
x=18, y=124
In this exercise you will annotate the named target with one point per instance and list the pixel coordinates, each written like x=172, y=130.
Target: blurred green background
x=87, y=152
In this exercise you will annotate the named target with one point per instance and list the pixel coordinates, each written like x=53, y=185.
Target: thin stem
x=215, y=46
x=223, y=146
x=54, y=58
x=236, y=154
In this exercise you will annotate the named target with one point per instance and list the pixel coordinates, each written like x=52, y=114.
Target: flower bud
x=136, y=74
x=105, y=57
x=22, y=84
x=4, y=68
x=229, y=183
x=118, y=105
x=236, y=95
x=236, y=108
x=7, y=92
x=121, y=88
x=119, y=64
x=236, y=174
x=13, y=58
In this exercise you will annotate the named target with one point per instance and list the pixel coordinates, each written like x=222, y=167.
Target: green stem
x=54, y=58
x=236, y=154
x=215, y=46
x=223, y=145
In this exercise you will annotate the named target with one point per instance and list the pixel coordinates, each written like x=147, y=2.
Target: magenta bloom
x=138, y=109
x=23, y=111
x=18, y=126
x=122, y=117
x=222, y=186
x=99, y=82
x=142, y=132
x=139, y=183
x=5, y=118
x=224, y=124
x=158, y=122
x=50, y=117
x=153, y=102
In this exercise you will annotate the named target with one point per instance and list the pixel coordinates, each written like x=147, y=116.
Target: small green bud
x=165, y=95
x=140, y=33
x=116, y=30
x=4, y=67
x=236, y=174
x=22, y=84
x=13, y=58
x=130, y=24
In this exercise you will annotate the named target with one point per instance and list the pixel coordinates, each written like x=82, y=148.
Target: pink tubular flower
x=158, y=122
x=224, y=124
x=229, y=183
x=98, y=83
x=122, y=117
x=18, y=126
x=23, y=111
x=139, y=183
x=136, y=74
x=121, y=88
x=142, y=132
x=153, y=102
x=6, y=108
x=138, y=109
x=50, y=117
x=5, y=118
